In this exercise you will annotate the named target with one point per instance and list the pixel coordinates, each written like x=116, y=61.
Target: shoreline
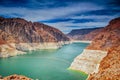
x=13, y=49
x=88, y=61
x=69, y=74
x=81, y=72
x=82, y=41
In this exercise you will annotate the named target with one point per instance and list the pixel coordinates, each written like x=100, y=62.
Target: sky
x=65, y=15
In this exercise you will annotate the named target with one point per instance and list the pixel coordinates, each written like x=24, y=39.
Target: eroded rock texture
x=23, y=31
x=108, y=37
x=108, y=40
x=18, y=35
x=109, y=68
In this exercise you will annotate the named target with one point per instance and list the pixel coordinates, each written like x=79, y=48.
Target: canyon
x=101, y=58
x=18, y=36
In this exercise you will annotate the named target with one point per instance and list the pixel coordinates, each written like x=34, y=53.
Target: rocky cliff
x=102, y=66
x=109, y=68
x=24, y=31
x=108, y=37
x=88, y=61
x=84, y=34
x=108, y=40
x=17, y=34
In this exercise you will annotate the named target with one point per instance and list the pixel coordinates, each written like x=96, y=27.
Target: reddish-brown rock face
x=19, y=30
x=90, y=36
x=109, y=67
x=108, y=37
x=2, y=42
x=5, y=37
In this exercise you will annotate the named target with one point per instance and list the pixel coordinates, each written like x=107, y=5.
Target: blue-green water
x=45, y=64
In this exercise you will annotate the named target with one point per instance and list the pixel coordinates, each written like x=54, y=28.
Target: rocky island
x=101, y=58
x=18, y=36
x=15, y=77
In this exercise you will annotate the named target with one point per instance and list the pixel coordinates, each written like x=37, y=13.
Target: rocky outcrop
x=15, y=77
x=7, y=50
x=18, y=35
x=109, y=68
x=5, y=37
x=27, y=32
x=90, y=36
x=108, y=41
x=84, y=34
x=108, y=37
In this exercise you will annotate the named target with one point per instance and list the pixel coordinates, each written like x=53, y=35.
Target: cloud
x=103, y=12
x=68, y=26
x=63, y=14
x=68, y=20
x=79, y=22
x=54, y=3
x=44, y=14
x=115, y=3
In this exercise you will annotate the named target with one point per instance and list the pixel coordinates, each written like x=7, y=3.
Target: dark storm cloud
x=114, y=3
x=36, y=4
x=57, y=20
x=101, y=12
x=69, y=20
x=13, y=3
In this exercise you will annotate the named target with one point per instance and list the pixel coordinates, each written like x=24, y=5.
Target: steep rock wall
x=107, y=40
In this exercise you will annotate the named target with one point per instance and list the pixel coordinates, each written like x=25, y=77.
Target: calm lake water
x=45, y=64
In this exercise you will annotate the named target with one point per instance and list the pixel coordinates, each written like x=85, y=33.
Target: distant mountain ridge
x=84, y=34
x=82, y=31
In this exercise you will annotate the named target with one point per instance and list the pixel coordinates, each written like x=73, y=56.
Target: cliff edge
x=108, y=40
x=100, y=65
x=108, y=37
x=18, y=36
x=109, y=68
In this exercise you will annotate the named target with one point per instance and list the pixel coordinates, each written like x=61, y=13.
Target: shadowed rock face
x=108, y=37
x=20, y=30
x=84, y=34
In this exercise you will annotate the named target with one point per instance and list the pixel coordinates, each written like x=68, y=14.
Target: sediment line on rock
x=88, y=61
x=82, y=41
x=13, y=49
